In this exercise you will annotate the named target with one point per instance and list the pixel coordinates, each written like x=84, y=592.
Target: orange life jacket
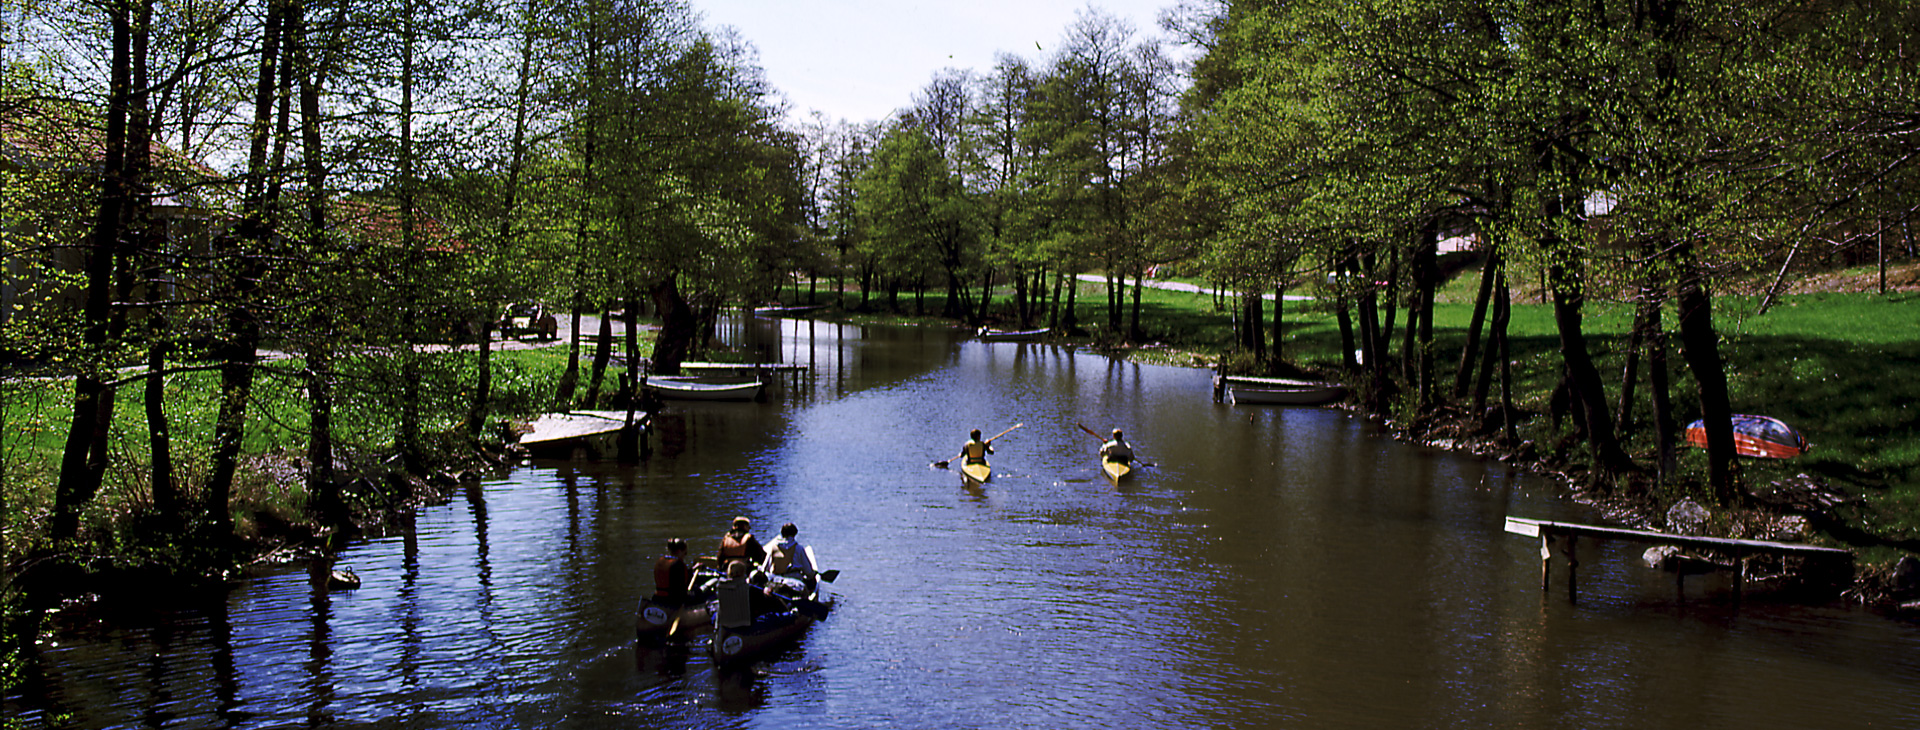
x=670, y=577
x=733, y=546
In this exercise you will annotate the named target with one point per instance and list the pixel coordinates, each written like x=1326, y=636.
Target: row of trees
x=1652, y=148
x=396, y=173
x=1022, y=177
x=1640, y=150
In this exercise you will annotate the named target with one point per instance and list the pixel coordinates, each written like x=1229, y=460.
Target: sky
x=859, y=60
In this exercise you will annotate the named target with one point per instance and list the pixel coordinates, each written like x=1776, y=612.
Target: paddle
x=1101, y=439
x=677, y=613
x=942, y=464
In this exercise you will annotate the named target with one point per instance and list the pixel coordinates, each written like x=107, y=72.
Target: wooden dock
x=1569, y=532
x=554, y=433
x=742, y=367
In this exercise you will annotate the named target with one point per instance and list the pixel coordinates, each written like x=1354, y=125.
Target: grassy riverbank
x=269, y=491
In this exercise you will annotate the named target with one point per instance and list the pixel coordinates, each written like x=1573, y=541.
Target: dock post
x=1739, y=575
x=1573, y=568
x=1546, y=559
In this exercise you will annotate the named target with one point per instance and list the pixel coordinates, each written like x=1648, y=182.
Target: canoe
x=1759, y=436
x=976, y=473
x=655, y=623
x=1116, y=470
x=691, y=390
x=733, y=646
x=1312, y=395
x=1013, y=335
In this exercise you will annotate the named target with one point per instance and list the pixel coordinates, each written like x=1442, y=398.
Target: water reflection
x=1276, y=567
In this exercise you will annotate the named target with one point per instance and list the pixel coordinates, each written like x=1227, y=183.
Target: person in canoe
x=787, y=558
x=671, y=575
x=741, y=601
x=739, y=544
x=1117, y=449
x=975, y=451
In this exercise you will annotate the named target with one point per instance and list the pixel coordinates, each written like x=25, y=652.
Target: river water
x=1275, y=567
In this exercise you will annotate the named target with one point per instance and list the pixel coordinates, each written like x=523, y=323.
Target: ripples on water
x=1277, y=568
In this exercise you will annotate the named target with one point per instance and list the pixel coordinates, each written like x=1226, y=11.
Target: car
x=529, y=319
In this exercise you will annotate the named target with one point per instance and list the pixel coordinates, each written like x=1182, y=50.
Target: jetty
x=564, y=434
x=1569, y=533
x=741, y=367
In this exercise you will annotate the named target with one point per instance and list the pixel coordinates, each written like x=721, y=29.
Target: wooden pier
x=566, y=433
x=1547, y=531
x=741, y=367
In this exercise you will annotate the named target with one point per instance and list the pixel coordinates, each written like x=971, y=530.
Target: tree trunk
x=1587, y=392
x=1134, y=332
x=677, y=327
x=326, y=505
x=1500, y=319
x=1630, y=370
x=1279, y=320
x=1699, y=345
x=1490, y=359
x=630, y=384
x=986, y=296
x=166, y=493
x=602, y=352
x=80, y=472
x=570, y=378
x=239, y=348
x=1488, y=272
x=1069, y=316
x=1666, y=432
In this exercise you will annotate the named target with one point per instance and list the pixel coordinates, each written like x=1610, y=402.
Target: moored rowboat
x=1012, y=335
x=1312, y=395
x=690, y=390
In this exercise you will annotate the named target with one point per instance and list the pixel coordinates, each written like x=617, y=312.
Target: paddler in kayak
x=739, y=544
x=975, y=451
x=1117, y=449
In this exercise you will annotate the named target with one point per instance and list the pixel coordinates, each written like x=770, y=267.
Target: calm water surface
x=1275, y=568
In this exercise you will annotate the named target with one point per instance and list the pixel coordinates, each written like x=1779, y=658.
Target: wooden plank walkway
x=552, y=427
x=742, y=366
x=1570, y=532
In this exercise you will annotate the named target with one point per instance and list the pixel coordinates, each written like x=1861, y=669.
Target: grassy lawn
x=37, y=413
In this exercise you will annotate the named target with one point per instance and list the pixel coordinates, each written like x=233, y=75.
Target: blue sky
x=859, y=60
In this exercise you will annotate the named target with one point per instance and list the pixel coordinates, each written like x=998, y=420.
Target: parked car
x=529, y=319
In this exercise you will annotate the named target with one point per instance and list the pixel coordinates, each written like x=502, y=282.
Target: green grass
x=38, y=412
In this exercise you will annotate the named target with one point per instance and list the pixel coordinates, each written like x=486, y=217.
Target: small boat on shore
x=1759, y=436
x=1012, y=335
x=695, y=390
x=1116, y=470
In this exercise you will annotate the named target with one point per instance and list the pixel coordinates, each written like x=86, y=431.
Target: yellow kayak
x=976, y=473
x=1116, y=470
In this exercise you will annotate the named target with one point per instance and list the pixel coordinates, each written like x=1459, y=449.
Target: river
x=1274, y=567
